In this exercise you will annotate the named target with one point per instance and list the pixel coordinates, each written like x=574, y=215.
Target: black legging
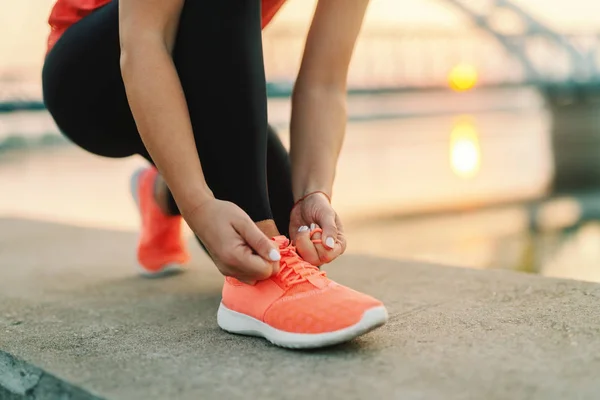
x=219, y=59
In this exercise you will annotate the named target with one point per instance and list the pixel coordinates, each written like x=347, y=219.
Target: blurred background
x=473, y=136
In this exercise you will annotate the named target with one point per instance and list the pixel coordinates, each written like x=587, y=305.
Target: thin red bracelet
x=310, y=194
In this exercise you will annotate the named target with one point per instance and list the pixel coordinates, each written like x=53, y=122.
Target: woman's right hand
x=236, y=245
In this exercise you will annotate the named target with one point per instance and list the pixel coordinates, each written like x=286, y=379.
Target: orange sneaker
x=161, y=249
x=299, y=307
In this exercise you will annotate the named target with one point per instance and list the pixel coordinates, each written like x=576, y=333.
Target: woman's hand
x=236, y=245
x=311, y=213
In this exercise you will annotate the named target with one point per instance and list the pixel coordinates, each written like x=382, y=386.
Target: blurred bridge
x=574, y=59
x=510, y=47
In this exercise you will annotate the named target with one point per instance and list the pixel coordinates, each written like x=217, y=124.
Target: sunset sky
x=23, y=25
x=571, y=14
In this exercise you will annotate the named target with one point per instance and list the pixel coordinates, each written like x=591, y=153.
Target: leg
x=224, y=83
x=218, y=55
x=83, y=89
x=84, y=93
x=279, y=177
x=236, y=172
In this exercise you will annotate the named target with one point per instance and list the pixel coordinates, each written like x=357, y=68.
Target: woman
x=182, y=83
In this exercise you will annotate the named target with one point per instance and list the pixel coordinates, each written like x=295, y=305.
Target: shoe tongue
x=282, y=241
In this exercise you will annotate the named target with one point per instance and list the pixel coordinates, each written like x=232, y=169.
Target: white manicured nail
x=274, y=255
x=312, y=227
x=330, y=242
x=303, y=228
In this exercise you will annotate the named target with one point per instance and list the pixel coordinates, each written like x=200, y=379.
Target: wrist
x=314, y=193
x=309, y=190
x=191, y=199
x=312, y=176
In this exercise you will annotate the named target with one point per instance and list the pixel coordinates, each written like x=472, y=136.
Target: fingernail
x=330, y=242
x=274, y=255
x=303, y=228
x=312, y=227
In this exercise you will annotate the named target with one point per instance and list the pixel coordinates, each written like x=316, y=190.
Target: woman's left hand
x=312, y=213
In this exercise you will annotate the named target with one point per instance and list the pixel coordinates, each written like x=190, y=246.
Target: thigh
x=83, y=88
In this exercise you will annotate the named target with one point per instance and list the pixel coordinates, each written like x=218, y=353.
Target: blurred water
x=496, y=238
x=414, y=152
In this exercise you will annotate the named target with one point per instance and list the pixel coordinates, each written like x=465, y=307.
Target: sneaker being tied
x=300, y=307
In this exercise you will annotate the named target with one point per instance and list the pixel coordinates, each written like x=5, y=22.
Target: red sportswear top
x=67, y=12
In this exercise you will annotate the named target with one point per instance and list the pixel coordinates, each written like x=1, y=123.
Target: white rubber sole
x=167, y=269
x=241, y=324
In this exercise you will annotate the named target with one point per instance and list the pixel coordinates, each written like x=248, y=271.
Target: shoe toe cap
x=324, y=311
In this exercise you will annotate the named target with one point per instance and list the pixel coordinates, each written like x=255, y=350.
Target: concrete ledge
x=71, y=304
x=22, y=381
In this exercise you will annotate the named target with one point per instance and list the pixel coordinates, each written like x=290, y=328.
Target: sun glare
x=465, y=152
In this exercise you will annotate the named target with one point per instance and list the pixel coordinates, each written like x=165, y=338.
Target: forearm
x=319, y=100
x=159, y=107
x=317, y=132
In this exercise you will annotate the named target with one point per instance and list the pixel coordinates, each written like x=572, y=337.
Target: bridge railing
x=416, y=59
x=396, y=60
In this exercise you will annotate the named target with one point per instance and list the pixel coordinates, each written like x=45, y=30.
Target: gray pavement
x=78, y=323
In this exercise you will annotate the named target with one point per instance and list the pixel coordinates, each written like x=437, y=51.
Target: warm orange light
x=465, y=153
x=462, y=77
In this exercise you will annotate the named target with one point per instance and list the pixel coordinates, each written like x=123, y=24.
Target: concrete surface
x=21, y=380
x=71, y=305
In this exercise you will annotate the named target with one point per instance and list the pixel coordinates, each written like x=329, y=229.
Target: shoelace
x=318, y=241
x=294, y=269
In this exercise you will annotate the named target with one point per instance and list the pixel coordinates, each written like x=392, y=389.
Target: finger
x=325, y=255
x=263, y=264
x=342, y=242
x=330, y=230
x=328, y=255
x=302, y=232
x=341, y=238
x=246, y=279
x=246, y=275
x=315, y=233
x=257, y=240
x=251, y=267
x=305, y=246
